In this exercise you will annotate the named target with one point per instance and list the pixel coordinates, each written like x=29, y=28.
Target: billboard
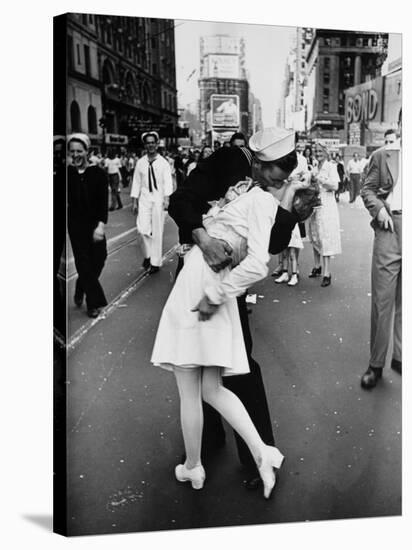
x=225, y=110
x=364, y=102
x=223, y=66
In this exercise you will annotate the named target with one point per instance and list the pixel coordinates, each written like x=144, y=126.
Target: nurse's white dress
x=245, y=223
x=324, y=223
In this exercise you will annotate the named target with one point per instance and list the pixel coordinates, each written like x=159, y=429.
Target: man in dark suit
x=87, y=199
x=381, y=195
x=207, y=182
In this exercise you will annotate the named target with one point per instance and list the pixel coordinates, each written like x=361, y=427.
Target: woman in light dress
x=324, y=224
x=287, y=269
x=288, y=260
x=200, y=336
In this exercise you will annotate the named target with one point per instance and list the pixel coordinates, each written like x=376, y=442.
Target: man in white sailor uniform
x=151, y=187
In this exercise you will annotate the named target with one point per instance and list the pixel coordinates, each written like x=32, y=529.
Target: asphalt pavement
x=342, y=444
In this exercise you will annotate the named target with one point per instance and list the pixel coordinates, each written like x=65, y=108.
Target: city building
x=255, y=114
x=224, y=88
x=121, y=78
x=293, y=112
x=335, y=61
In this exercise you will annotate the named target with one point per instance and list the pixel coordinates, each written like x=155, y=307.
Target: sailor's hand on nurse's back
x=216, y=252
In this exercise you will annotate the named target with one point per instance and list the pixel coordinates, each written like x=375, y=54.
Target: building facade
x=255, y=114
x=336, y=61
x=293, y=111
x=121, y=78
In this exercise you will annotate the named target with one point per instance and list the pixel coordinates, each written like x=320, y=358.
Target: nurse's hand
x=206, y=309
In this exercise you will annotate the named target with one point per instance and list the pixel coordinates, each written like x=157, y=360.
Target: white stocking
x=191, y=412
x=231, y=408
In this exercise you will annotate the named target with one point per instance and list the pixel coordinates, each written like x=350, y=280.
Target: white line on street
x=114, y=304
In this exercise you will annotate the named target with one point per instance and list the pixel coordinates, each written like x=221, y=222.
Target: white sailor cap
x=272, y=143
x=83, y=138
x=151, y=133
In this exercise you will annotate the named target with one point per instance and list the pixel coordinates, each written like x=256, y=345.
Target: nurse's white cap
x=83, y=138
x=272, y=143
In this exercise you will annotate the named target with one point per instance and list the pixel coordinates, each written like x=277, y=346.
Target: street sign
x=354, y=133
x=116, y=139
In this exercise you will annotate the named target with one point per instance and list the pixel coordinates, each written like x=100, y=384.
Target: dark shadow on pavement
x=46, y=522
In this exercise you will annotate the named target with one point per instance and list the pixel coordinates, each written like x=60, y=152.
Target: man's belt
x=397, y=212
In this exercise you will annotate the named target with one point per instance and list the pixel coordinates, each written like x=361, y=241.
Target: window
x=70, y=52
x=130, y=87
x=154, y=68
x=84, y=19
x=341, y=103
x=87, y=58
x=108, y=74
x=326, y=78
x=326, y=63
x=79, y=61
x=92, y=120
x=75, y=117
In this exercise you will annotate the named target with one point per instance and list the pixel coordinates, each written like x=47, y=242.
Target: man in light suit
x=381, y=195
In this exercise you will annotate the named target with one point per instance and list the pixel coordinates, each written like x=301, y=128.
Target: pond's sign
x=364, y=102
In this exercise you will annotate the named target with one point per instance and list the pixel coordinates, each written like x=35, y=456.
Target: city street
x=342, y=444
